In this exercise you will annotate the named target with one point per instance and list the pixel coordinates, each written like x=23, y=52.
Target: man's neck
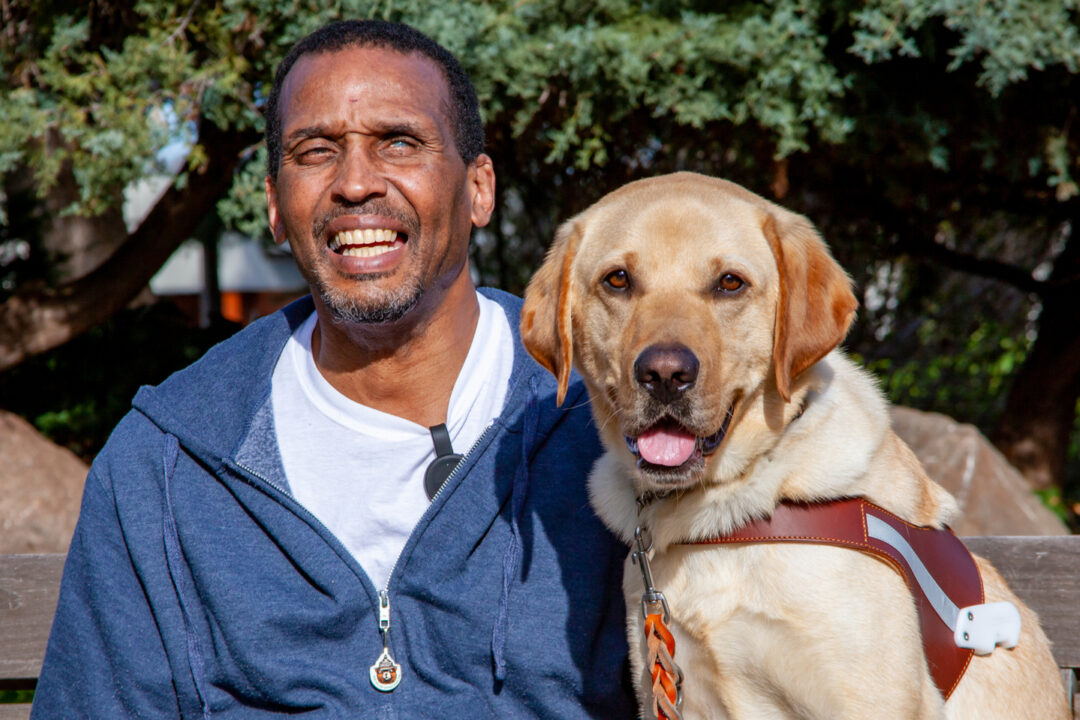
x=407, y=368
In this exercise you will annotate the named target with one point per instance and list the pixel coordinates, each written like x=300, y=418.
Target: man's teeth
x=364, y=243
x=366, y=250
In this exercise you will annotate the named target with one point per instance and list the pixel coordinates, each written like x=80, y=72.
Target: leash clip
x=667, y=677
x=653, y=601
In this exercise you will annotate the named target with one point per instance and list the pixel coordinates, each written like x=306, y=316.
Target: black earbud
x=444, y=463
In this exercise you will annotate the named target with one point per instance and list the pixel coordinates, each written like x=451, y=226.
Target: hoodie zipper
x=385, y=673
x=255, y=474
x=454, y=472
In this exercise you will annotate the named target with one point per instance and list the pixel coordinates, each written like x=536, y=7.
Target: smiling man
x=368, y=503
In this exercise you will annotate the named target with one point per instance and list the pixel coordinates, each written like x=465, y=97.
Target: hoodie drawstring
x=174, y=557
x=512, y=553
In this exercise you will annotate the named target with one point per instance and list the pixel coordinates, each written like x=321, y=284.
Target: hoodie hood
x=200, y=405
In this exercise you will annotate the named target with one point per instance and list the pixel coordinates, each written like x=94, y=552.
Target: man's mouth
x=367, y=242
x=667, y=444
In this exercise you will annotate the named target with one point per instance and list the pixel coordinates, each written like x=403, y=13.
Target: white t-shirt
x=361, y=471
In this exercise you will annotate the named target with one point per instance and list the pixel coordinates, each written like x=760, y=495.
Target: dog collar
x=940, y=573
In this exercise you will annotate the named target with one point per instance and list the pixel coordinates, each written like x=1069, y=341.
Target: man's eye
x=399, y=143
x=314, y=154
x=401, y=148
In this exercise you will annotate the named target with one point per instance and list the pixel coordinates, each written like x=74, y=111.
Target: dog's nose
x=666, y=371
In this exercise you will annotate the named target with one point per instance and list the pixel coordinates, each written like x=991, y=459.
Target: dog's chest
x=770, y=630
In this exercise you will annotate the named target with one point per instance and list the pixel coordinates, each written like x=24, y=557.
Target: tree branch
x=39, y=319
x=928, y=250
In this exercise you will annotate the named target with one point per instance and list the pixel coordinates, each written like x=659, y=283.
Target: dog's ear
x=815, y=306
x=546, y=329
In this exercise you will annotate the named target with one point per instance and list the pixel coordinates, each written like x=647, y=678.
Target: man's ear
x=277, y=228
x=546, y=322
x=815, y=306
x=481, y=178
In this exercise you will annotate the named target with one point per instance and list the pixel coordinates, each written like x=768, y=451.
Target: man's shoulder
x=229, y=380
x=511, y=304
x=525, y=366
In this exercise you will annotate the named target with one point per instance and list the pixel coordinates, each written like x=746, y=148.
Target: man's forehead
x=370, y=70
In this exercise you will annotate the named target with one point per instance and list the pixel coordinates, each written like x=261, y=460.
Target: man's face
x=372, y=194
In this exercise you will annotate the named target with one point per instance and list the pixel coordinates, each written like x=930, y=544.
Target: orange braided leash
x=660, y=643
x=665, y=674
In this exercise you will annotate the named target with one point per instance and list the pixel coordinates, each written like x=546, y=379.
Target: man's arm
x=105, y=657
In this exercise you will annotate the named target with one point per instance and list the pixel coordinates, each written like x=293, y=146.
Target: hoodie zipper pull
x=385, y=673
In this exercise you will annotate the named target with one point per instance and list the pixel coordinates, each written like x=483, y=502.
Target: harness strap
x=937, y=567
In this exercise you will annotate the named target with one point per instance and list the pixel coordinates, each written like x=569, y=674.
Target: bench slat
x=1045, y=573
x=29, y=587
x=14, y=712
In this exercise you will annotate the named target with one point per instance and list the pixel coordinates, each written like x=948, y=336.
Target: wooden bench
x=1044, y=571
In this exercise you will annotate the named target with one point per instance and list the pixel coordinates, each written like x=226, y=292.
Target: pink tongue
x=668, y=447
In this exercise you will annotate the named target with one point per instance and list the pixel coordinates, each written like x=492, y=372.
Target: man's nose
x=358, y=177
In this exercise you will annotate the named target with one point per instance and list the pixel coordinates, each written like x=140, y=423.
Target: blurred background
x=933, y=142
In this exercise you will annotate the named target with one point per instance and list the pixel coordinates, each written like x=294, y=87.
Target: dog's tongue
x=666, y=446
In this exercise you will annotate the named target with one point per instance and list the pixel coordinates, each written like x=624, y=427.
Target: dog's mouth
x=668, y=448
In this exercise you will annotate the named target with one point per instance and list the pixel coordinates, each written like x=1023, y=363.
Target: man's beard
x=389, y=306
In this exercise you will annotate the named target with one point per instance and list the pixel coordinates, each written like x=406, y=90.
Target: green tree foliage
x=103, y=88
x=932, y=141
x=1007, y=40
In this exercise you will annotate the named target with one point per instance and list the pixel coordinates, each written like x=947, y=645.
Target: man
x=256, y=539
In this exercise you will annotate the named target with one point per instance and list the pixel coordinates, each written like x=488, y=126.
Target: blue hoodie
x=197, y=587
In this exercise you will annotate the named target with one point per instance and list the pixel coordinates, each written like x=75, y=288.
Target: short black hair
x=465, y=110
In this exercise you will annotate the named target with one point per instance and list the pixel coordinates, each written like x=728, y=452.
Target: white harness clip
x=983, y=627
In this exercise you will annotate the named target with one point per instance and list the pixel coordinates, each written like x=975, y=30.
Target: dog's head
x=683, y=300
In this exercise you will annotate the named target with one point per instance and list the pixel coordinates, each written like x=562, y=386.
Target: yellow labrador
x=705, y=321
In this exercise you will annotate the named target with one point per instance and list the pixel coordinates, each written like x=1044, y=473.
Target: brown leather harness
x=860, y=525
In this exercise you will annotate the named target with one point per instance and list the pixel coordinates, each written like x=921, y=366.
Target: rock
x=40, y=490
x=994, y=497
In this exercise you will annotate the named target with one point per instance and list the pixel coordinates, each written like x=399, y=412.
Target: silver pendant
x=385, y=673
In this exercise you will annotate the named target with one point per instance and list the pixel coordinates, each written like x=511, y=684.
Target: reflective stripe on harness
x=940, y=572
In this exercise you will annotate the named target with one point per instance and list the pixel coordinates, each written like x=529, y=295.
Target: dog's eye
x=617, y=280
x=729, y=283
